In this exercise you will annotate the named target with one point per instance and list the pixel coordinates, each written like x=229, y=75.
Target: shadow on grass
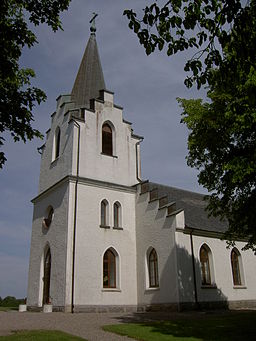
x=198, y=326
x=40, y=335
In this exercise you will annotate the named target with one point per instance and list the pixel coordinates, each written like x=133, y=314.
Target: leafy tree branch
x=17, y=96
x=222, y=130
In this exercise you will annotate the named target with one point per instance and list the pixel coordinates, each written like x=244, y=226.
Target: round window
x=47, y=221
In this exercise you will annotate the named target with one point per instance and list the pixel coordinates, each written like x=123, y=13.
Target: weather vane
x=92, y=21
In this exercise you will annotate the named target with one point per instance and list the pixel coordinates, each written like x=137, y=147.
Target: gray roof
x=89, y=79
x=194, y=207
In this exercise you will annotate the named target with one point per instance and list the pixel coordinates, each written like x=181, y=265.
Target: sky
x=145, y=86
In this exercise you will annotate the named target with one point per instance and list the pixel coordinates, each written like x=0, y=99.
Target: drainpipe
x=75, y=216
x=137, y=162
x=194, y=268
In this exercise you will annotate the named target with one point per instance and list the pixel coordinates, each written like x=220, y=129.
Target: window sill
x=55, y=160
x=208, y=286
x=239, y=287
x=104, y=227
x=117, y=228
x=114, y=156
x=111, y=290
x=152, y=289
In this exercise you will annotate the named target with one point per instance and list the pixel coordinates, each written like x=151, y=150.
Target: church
x=103, y=239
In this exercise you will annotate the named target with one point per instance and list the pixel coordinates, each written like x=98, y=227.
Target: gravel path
x=87, y=326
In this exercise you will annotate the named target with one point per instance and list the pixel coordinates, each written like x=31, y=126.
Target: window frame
x=57, y=146
x=153, y=275
x=117, y=215
x=111, y=261
x=49, y=214
x=104, y=217
x=107, y=139
x=205, y=266
x=236, y=267
x=47, y=267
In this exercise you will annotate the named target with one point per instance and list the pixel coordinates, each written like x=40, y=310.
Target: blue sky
x=146, y=86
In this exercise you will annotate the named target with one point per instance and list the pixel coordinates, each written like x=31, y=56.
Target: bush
x=11, y=301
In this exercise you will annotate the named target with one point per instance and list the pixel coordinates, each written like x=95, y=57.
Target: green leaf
x=148, y=49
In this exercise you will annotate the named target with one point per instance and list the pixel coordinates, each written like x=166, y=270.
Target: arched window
x=107, y=139
x=56, y=144
x=109, y=269
x=117, y=214
x=235, y=267
x=104, y=213
x=205, y=265
x=153, y=269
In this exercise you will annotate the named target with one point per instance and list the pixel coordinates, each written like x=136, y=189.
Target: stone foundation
x=249, y=304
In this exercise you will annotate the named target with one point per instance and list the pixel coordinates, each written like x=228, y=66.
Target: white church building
x=105, y=240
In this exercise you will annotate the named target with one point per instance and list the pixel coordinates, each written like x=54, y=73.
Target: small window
x=117, y=215
x=205, y=265
x=153, y=269
x=56, y=144
x=235, y=267
x=107, y=140
x=109, y=269
x=104, y=213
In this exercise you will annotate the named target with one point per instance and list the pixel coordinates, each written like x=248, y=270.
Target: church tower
x=83, y=244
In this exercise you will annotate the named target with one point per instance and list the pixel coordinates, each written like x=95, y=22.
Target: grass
x=40, y=335
x=8, y=308
x=207, y=327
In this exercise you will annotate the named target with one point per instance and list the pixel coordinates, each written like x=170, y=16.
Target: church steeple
x=89, y=80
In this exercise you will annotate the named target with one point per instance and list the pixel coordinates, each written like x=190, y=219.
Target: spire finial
x=92, y=21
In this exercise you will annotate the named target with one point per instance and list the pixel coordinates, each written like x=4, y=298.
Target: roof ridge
x=179, y=189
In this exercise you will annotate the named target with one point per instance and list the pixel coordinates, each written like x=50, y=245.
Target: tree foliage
x=222, y=146
x=11, y=301
x=17, y=96
x=222, y=131
x=204, y=26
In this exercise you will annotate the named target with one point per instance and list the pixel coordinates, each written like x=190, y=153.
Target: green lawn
x=223, y=327
x=8, y=308
x=40, y=335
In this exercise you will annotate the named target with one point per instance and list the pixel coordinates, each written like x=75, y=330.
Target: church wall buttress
x=54, y=237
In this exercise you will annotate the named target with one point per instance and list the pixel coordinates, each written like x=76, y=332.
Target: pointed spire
x=89, y=79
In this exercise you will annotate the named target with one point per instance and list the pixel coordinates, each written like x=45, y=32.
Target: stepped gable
x=193, y=205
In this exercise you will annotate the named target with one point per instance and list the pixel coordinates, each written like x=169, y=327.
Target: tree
x=222, y=139
x=17, y=96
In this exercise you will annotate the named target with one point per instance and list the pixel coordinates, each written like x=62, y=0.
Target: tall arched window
x=117, y=214
x=205, y=265
x=109, y=269
x=107, y=139
x=153, y=269
x=235, y=267
x=47, y=277
x=104, y=213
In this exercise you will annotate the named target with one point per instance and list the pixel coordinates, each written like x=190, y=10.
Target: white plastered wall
x=52, y=170
x=155, y=230
x=119, y=168
x=56, y=238
x=92, y=241
x=221, y=272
